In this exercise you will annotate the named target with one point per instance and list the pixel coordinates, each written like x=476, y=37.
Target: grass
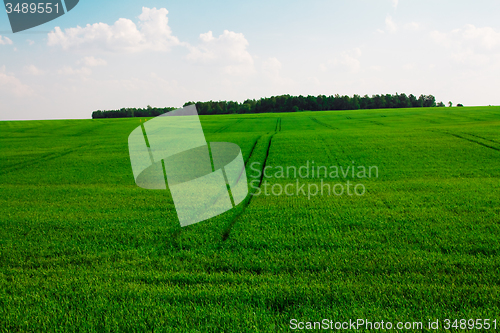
x=82, y=248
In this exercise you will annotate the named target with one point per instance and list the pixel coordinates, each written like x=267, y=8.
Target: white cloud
x=440, y=38
x=390, y=26
x=153, y=34
x=30, y=42
x=348, y=60
x=12, y=85
x=485, y=38
x=395, y=3
x=313, y=80
x=33, y=70
x=154, y=25
x=409, y=66
x=271, y=67
x=5, y=41
x=468, y=56
x=471, y=45
x=67, y=70
x=414, y=26
x=93, y=62
x=228, y=50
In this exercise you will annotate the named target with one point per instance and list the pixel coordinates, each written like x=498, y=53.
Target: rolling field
x=82, y=248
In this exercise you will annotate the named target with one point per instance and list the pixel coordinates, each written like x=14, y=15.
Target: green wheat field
x=83, y=249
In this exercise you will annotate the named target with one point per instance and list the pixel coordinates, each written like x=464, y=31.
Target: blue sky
x=113, y=54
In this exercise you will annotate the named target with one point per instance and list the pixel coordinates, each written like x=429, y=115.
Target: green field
x=82, y=248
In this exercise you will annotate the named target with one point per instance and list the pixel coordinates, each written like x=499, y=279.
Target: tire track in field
x=175, y=235
x=251, y=150
x=323, y=124
x=278, y=126
x=223, y=128
x=480, y=137
x=248, y=158
x=248, y=200
x=331, y=157
x=44, y=158
x=90, y=130
x=470, y=140
x=328, y=152
x=378, y=123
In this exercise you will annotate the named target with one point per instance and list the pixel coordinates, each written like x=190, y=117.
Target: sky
x=105, y=55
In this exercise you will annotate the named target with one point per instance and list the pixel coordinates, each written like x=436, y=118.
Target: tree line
x=287, y=103
x=131, y=112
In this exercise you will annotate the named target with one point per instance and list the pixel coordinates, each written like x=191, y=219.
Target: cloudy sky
x=130, y=53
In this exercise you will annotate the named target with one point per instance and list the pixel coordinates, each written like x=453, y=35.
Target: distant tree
x=355, y=102
x=312, y=103
x=403, y=101
x=378, y=101
x=390, y=101
x=450, y=104
x=440, y=104
x=365, y=102
x=414, y=102
x=131, y=112
x=459, y=104
x=428, y=101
